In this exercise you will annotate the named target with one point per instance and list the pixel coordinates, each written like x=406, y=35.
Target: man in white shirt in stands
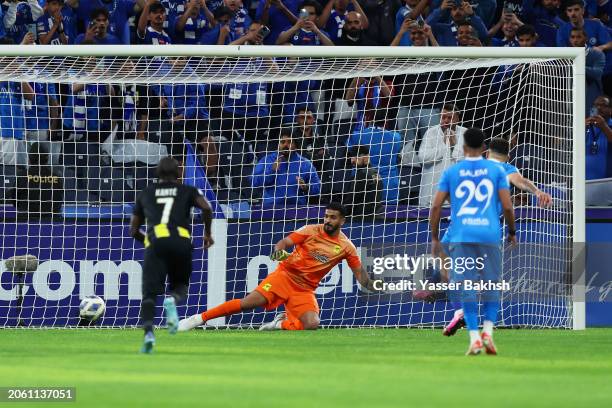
x=441, y=148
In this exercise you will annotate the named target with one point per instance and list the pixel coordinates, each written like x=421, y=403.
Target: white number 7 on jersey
x=167, y=202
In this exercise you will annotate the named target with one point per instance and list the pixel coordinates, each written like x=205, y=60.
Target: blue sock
x=491, y=305
x=470, y=313
x=490, y=311
x=454, y=296
x=470, y=308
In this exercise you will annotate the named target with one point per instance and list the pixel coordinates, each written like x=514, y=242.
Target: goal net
x=271, y=135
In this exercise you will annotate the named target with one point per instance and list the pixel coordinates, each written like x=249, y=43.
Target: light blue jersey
x=473, y=185
x=508, y=169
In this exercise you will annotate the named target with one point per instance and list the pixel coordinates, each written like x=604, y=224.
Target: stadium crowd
x=373, y=140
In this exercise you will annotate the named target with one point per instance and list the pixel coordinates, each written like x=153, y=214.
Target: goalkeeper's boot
x=489, y=346
x=148, y=344
x=190, y=322
x=455, y=324
x=274, y=324
x=172, y=319
x=475, y=348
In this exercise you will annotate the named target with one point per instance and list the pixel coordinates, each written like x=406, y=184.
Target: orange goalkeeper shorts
x=278, y=288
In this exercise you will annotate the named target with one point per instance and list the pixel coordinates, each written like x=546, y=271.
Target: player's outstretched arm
x=508, y=209
x=434, y=221
x=207, y=215
x=135, y=231
x=524, y=184
x=280, y=249
x=362, y=277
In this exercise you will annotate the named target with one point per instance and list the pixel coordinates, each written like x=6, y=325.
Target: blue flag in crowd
x=196, y=176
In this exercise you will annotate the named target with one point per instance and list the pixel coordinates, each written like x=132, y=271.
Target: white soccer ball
x=92, y=308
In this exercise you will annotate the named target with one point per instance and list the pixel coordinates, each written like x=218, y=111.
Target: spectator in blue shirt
x=83, y=111
x=467, y=35
x=42, y=112
x=485, y=9
x=279, y=15
x=444, y=22
x=193, y=21
x=184, y=110
x=334, y=15
x=182, y=101
x=305, y=30
x=241, y=21
x=2, y=32
x=496, y=31
x=594, y=66
x=119, y=12
x=221, y=33
x=20, y=17
x=598, y=139
x=246, y=106
x=508, y=29
x=526, y=36
x=597, y=34
x=288, y=179
x=97, y=32
x=12, y=124
x=411, y=10
x=50, y=26
x=544, y=16
x=288, y=96
x=151, y=24
x=385, y=146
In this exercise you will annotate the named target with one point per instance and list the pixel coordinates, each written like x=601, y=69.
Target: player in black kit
x=166, y=206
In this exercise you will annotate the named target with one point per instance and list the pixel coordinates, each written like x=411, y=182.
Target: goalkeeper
x=318, y=248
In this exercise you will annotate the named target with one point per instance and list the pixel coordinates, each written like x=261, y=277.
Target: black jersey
x=167, y=203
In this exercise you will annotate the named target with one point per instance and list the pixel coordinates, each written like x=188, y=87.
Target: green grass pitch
x=326, y=368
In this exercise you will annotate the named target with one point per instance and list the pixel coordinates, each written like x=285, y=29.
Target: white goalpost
x=83, y=127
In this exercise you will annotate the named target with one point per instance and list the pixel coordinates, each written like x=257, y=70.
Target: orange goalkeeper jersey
x=316, y=253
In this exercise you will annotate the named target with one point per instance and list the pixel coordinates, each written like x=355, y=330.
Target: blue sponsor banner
x=80, y=259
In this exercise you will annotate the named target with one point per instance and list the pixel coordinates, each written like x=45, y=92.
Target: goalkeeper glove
x=279, y=255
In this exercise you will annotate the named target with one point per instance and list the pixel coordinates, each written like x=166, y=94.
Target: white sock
x=487, y=327
x=459, y=312
x=474, y=335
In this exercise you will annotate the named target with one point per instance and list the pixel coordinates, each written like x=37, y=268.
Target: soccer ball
x=91, y=308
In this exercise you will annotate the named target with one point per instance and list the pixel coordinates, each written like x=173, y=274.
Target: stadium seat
x=76, y=196
x=235, y=160
x=109, y=185
x=409, y=184
x=144, y=175
x=8, y=179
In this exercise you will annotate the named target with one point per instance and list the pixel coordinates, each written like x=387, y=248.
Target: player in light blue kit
x=498, y=152
x=476, y=188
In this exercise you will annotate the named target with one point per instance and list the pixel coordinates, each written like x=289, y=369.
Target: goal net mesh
x=270, y=141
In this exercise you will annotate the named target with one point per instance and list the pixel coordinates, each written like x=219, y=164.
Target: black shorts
x=169, y=257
